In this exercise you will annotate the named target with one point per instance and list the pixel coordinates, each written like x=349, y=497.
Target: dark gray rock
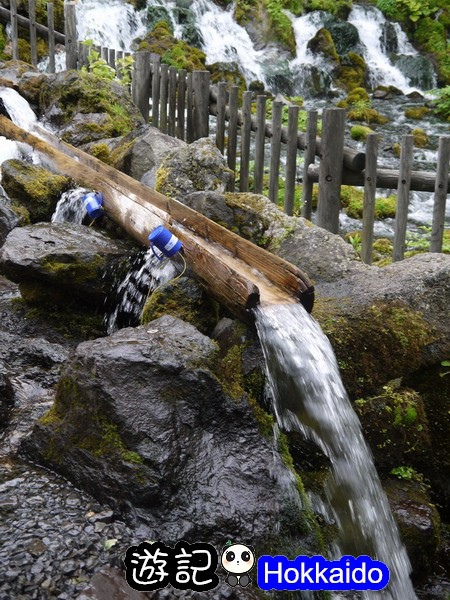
x=140, y=155
x=8, y=218
x=141, y=421
x=68, y=261
x=6, y=396
x=345, y=35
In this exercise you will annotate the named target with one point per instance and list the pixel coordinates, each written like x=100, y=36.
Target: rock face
x=67, y=263
x=8, y=218
x=197, y=167
x=72, y=101
x=141, y=421
x=6, y=396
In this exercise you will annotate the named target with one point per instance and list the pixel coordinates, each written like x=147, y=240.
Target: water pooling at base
x=309, y=397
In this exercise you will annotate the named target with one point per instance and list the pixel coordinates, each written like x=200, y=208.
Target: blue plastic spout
x=162, y=239
x=93, y=203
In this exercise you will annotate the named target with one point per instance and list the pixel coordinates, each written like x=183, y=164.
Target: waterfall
x=145, y=275
x=370, y=22
x=224, y=40
x=109, y=23
x=70, y=207
x=309, y=397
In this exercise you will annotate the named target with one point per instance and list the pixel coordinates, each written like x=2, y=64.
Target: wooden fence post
x=245, y=141
x=164, y=93
x=221, y=106
x=404, y=183
x=119, y=58
x=33, y=40
x=14, y=30
x=181, y=103
x=309, y=158
x=51, y=37
x=83, y=55
x=275, y=151
x=200, y=85
x=258, y=175
x=141, y=82
x=440, y=194
x=232, y=135
x=112, y=58
x=291, y=160
x=70, y=20
x=190, y=133
x=330, y=172
x=156, y=81
x=172, y=101
x=370, y=185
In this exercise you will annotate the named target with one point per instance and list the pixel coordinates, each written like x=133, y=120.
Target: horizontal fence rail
x=261, y=154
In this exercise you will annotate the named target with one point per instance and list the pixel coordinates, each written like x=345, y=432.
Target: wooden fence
x=181, y=105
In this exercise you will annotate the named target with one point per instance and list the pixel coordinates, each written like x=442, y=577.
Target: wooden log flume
x=236, y=272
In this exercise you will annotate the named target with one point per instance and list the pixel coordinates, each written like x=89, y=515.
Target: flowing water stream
x=309, y=397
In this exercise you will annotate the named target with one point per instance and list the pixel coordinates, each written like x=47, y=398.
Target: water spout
x=309, y=397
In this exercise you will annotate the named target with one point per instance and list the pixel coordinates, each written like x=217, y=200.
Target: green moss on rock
x=33, y=188
x=376, y=344
x=352, y=71
x=360, y=132
x=416, y=112
x=185, y=299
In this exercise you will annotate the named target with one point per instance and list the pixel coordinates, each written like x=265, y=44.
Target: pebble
x=52, y=536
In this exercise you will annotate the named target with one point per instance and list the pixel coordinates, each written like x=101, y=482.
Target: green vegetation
x=175, y=53
x=360, y=108
x=360, y=132
x=442, y=104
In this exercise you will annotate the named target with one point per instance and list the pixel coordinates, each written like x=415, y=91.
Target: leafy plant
x=406, y=473
x=96, y=64
x=445, y=363
x=442, y=103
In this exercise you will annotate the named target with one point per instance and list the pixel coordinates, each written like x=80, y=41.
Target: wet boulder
x=62, y=263
x=197, y=167
x=33, y=190
x=142, y=422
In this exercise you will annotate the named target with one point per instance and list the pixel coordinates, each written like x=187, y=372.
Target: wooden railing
x=181, y=104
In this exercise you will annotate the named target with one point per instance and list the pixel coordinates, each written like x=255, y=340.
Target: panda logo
x=238, y=560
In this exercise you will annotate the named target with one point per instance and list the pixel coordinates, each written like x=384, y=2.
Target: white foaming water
x=224, y=40
x=369, y=21
x=305, y=28
x=18, y=108
x=109, y=23
x=70, y=207
x=21, y=115
x=309, y=397
x=147, y=274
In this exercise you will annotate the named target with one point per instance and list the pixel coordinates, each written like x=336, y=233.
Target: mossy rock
x=352, y=72
x=185, y=299
x=322, y=44
x=360, y=132
x=375, y=344
x=33, y=188
x=396, y=427
x=352, y=200
x=421, y=139
x=157, y=14
x=367, y=114
x=175, y=53
x=416, y=112
x=339, y=8
x=70, y=96
x=228, y=72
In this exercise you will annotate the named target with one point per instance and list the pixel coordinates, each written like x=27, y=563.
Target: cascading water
x=70, y=207
x=20, y=113
x=309, y=397
x=381, y=70
x=109, y=23
x=145, y=275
